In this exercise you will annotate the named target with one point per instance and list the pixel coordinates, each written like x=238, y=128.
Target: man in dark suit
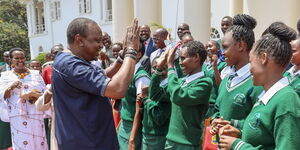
x=147, y=40
x=6, y=66
x=149, y=44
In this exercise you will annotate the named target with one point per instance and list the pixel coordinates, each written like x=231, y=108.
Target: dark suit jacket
x=150, y=47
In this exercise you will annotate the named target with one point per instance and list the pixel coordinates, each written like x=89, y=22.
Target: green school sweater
x=209, y=72
x=274, y=125
x=235, y=103
x=157, y=109
x=128, y=102
x=294, y=82
x=189, y=105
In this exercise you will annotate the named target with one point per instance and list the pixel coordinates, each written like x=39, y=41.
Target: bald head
x=182, y=27
x=187, y=38
x=159, y=36
x=162, y=32
x=145, y=32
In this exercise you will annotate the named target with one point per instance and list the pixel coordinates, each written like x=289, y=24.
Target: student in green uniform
x=212, y=68
x=157, y=110
x=5, y=135
x=293, y=74
x=273, y=122
x=189, y=96
x=128, y=110
x=234, y=101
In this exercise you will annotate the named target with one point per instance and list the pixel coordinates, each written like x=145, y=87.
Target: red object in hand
x=209, y=141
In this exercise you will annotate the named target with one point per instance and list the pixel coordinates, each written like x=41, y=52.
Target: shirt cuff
x=237, y=144
x=104, y=86
x=171, y=71
x=234, y=123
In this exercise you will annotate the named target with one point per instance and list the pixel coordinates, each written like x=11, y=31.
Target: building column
x=197, y=16
x=122, y=14
x=148, y=11
x=235, y=7
x=289, y=13
x=295, y=13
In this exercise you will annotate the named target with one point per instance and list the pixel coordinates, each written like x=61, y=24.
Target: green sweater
x=235, y=103
x=274, y=125
x=189, y=105
x=209, y=71
x=128, y=102
x=157, y=109
x=294, y=82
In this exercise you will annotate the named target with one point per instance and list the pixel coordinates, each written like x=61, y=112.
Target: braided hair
x=276, y=43
x=242, y=29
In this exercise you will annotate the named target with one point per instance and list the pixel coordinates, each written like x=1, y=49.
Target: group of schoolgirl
x=251, y=99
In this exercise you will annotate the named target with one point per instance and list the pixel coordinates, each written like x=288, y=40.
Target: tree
x=13, y=26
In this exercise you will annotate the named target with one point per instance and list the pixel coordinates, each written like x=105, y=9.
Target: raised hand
x=132, y=39
x=214, y=60
x=162, y=60
x=171, y=57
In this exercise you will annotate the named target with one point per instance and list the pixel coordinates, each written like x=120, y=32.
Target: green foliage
x=41, y=58
x=13, y=26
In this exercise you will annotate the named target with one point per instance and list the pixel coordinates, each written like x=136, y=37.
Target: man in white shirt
x=159, y=36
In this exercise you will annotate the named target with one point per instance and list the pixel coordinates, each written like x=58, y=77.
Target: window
x=106, y=11
x=40, y=48
x=214, y=34
x=55, y=10
x=39, y=21
x=85, y=6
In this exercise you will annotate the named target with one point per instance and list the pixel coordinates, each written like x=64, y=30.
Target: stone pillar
x=122, y=16
x=197, y=16
x=235, y=7
x=147, y=11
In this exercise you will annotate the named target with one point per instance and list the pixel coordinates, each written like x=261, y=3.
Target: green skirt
x=153, y=142
x=124, y=135
x=5, y=135
x=170, y=145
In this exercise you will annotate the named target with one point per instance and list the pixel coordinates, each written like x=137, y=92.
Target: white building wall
x=219, y=9
x=56, y=30
x=172, y=15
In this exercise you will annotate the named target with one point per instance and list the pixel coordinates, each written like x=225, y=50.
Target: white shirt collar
x=244, y=70
x=265, y=97
x=137, y=66
x=148, y=40
x=292, y=71
x=190, y=78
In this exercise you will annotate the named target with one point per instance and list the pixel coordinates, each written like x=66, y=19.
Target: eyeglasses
x=155, y=39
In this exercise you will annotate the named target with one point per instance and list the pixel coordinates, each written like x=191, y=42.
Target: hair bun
x=244, y=20
x=283, y=32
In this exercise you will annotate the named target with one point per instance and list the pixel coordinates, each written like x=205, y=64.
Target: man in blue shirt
x=80, y=90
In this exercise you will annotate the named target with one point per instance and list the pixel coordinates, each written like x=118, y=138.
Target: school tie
x=230, y=77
